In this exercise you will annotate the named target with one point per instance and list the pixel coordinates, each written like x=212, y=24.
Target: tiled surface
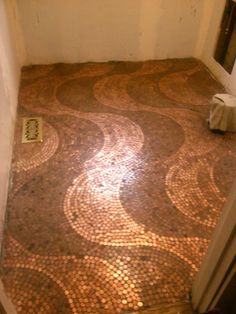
x=114, y=210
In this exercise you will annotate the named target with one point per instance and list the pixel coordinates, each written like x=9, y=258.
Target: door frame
x=219, y=264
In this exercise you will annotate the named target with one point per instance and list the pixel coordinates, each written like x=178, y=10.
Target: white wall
x=208, y=35
x=10, y=63
x=101, y=30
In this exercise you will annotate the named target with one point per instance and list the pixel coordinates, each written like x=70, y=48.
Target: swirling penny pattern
x=39, y=152
x=113, y=212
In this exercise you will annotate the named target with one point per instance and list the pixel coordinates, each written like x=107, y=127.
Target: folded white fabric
x=223, y=113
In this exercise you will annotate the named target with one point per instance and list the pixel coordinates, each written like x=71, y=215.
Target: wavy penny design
x=181, y=86
x=98, y=187
x=39, y=153
x=112, y=91
x=113, y=212
x=70, y=275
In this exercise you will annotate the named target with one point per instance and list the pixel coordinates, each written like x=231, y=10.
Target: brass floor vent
x=32, y=130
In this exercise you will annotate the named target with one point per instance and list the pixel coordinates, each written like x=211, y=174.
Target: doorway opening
x=225, y=52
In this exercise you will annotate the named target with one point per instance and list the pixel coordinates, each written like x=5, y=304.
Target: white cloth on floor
x=223, y=113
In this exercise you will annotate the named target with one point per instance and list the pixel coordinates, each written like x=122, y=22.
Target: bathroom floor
x=114, y=210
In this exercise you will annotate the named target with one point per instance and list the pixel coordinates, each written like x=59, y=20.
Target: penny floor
x=114, y=210
x=177, y=308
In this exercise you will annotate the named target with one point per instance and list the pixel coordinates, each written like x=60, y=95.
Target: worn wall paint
x=101, y=30
x=9, y=81
x=208, y=35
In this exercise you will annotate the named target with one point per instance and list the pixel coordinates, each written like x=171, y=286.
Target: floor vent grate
x=32, y=130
